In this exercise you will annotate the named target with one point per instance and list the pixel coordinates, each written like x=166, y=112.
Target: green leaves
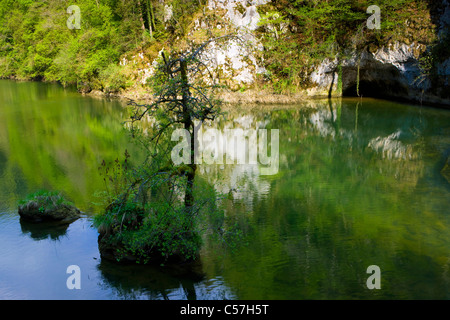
x=38, y=43
x=45, y=199
x=298, y=34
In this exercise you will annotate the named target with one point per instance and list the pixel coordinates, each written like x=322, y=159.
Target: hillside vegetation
x=36, y=43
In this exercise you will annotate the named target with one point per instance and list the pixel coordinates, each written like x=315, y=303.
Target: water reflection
x=359, y=183
x=51, y=137
x=135, y=282
x=150, y=282
x=235, y=174
x=45, y=230
x=358, y=186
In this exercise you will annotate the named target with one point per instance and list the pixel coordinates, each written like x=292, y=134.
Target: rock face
x=241, y=13
x=391, y=72
x=236, y=62
x=32, y=211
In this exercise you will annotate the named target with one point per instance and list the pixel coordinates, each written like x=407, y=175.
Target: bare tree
x=182, y=96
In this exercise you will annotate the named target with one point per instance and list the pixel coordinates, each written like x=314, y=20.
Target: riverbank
x=266, y=98
x=251, y=98
x=227, y=96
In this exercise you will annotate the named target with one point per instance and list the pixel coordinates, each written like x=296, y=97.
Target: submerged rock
x=48, y=207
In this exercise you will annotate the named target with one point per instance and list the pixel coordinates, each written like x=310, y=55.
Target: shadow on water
x=44, y=230
x=133, y=281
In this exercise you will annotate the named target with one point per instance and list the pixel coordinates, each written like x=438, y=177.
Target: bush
x=113, y=79
x=146, y=220
x=157, y=232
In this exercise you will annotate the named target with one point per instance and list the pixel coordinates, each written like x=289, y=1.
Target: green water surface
x=359, y=184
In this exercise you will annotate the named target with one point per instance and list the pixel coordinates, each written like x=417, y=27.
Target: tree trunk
x=188, y=125
x=141, y=19
x=153, y=15
x=149, y=18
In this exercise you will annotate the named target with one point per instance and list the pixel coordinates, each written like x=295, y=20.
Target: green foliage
x=165, y=232
x=148, y=219
x=340, y=74
x=45, y=199
x=429, y=61
x=36, y=43
x=113, y=78
x=116, y=177
x=170, y=211
x=298, y=34
x=441, y=49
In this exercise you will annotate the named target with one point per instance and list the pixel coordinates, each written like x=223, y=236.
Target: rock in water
x=48, y=208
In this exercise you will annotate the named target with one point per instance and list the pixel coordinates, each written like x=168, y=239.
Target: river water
x=359, y=183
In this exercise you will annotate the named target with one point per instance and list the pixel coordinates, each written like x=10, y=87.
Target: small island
x=45, y=206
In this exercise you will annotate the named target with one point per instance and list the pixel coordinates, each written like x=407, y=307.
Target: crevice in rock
x=376, y=79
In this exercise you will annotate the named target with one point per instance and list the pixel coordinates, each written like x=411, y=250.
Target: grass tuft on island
x=46, y=205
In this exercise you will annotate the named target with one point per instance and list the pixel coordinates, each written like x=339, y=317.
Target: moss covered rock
x=130, y=233
x=46, y=206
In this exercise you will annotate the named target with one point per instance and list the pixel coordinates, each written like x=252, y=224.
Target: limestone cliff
x=392, y=70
